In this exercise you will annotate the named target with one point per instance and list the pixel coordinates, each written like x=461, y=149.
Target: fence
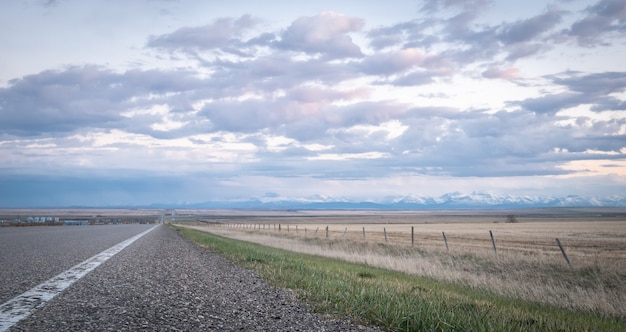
x=404, y=235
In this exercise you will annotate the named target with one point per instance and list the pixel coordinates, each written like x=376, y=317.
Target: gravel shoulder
x=162, y=282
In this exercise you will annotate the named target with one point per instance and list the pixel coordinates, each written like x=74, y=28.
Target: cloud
x=326, y=34
x=582, y=89
x=256, y=114
x=605, y=17
x=529, y=29
x=57, y=101
x=596, y=84
x=525, y=50
x=60, y=101
x=393, y=62
x=410, y=34
x=501, y=73
x=223, y=34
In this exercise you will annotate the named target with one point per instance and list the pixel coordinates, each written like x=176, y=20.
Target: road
x=31, y=255
x=160, y=282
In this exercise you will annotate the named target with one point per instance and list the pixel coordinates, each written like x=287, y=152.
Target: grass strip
x=393, y=300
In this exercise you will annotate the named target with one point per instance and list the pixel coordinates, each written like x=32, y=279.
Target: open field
x=396, y=301
x=590, y=238
x=528, y=265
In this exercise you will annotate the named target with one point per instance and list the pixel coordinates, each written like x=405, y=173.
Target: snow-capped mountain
x=455, y=200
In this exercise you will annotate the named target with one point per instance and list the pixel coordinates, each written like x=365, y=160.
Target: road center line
x=25, y=304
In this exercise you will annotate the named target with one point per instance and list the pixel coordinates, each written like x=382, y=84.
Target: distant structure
x=42, y=219
x=74, y=222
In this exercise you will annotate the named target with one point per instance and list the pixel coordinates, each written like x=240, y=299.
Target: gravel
x=162, y=282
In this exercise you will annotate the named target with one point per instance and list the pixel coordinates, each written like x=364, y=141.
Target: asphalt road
x=160, y=282
x=31, y=255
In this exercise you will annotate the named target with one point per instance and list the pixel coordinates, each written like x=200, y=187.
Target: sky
x=116, y=102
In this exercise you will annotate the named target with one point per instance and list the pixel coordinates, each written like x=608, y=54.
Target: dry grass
x=529, y=264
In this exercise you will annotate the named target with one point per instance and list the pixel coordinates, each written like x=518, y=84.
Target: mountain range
x=455, y=200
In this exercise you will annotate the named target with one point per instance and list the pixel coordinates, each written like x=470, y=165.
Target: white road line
x=25, y=304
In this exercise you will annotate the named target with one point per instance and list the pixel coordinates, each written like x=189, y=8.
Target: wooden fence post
x=412, y=236
x=363, y=233
x=445, y=240
x=343, y=236
x=493, y=243
x=279, y=228
x=563, y=252
x=385, y=231
x=327, y=232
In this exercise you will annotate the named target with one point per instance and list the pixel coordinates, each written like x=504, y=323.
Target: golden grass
x=528, y=264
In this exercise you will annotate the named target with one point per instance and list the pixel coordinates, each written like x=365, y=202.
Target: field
x=525, y=283
x=526, y=264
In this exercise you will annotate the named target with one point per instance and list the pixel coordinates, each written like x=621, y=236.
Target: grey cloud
x=415, y=78
x=278, y=71
x=553, y=103
x=602, y=142
x=391, y=62
x=407, y=34
x=525, y=30
x=307, y=130
x=254, y=115
x=60, y=101
x=431, y=6
x=504, y=143
x=596, y=84
x=224, y=34
x=583, y=89
x=523, y=50
x=77, y=97
x=385, y=38
x=312, y=94
x=501, y=73
x=326, y=33
x=603, y=17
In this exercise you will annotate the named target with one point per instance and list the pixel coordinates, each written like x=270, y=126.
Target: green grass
x=397, y=301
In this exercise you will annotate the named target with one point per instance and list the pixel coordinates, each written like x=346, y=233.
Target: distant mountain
x=455, y=200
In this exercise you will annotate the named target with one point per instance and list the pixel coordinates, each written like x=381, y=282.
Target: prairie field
x=526, y=264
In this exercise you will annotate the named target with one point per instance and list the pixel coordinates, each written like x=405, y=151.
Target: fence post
x=493, y=243
x=563, y=252
x=305, y=232
x=315, y=234
x=363, y=233
x=279, y=228
x=412, y=236
x=385, y=231
x=343, y=236
x=327, y=232
x=445, y=240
